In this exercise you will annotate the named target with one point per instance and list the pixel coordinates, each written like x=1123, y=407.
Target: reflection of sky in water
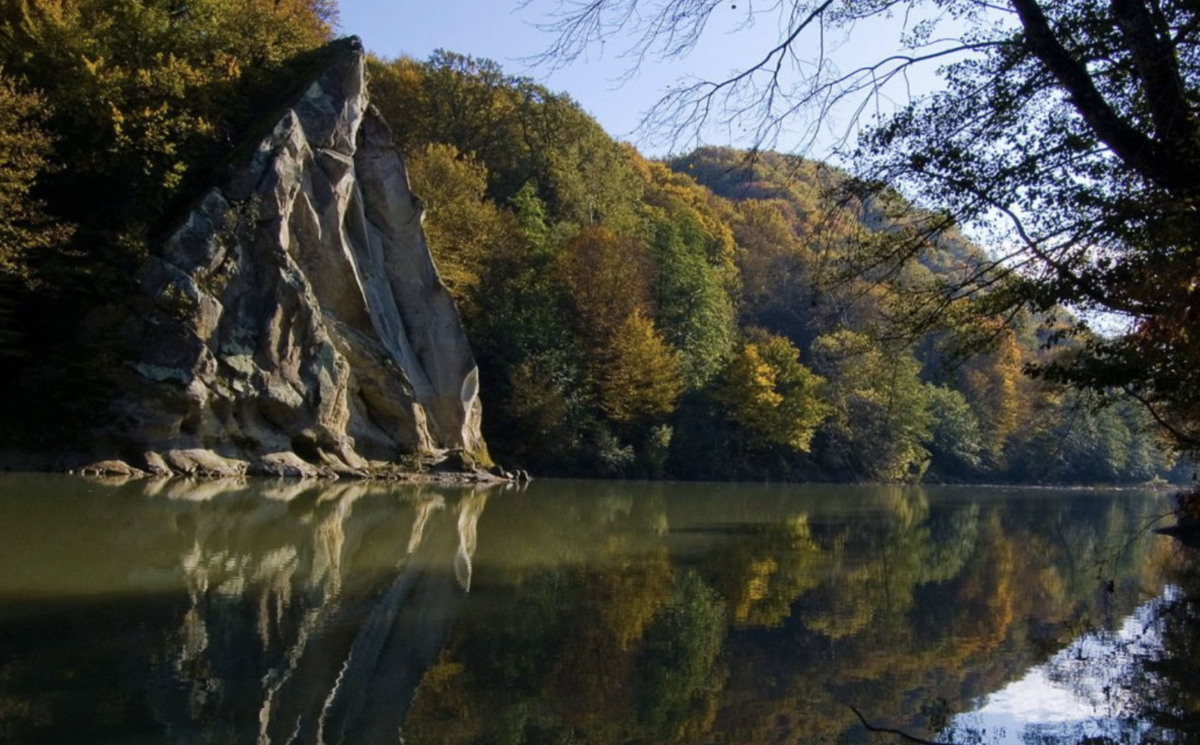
x=1075, y=695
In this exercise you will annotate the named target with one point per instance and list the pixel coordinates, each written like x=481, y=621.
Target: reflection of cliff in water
x=598, y=612
x=318, y=608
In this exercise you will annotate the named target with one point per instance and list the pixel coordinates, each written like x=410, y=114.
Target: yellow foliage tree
x=640, y=379
x=24, y=151
x=769, y=392
x=608, y=278
x=1000, y=392
x=462, y=225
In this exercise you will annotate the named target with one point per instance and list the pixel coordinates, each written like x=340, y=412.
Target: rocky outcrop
x=295, y=323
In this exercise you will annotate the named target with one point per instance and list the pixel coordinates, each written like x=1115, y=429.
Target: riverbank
x=452, y=466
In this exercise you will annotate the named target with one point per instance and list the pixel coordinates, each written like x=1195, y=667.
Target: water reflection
x=283, y=612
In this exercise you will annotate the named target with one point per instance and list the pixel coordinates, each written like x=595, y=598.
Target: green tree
x=956, y=443
x=694, y=311
x=881, y=418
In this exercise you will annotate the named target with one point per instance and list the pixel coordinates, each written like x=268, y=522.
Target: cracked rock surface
x=294, y=323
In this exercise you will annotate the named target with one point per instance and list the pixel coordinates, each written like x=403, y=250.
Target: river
x=582, y=612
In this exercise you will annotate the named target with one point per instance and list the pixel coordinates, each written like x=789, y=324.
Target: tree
x=881, y=417
x=461, y=225
x=146, y=93
x=692, y=247
x=25, y=228
x=640, y=374
x=956, y=441
x=1070, y=129
x=117, y=113
x=25, y=149
x=768, y=391
x=609, y=279
x=523, y=133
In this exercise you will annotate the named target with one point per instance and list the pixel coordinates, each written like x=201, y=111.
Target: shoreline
x=450, y=467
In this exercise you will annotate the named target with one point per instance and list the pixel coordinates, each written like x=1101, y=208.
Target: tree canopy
x=1068, y=134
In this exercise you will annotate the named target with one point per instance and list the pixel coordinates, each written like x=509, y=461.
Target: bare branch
x=889, y=731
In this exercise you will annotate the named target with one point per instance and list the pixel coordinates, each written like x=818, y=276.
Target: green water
x=562, y=612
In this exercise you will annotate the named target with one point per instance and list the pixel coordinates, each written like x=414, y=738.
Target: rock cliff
x=294, y=323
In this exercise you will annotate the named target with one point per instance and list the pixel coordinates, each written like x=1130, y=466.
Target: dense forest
x=695, y=318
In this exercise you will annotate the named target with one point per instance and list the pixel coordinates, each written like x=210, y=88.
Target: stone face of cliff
x=295, y=323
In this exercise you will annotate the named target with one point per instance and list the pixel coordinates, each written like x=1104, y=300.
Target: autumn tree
x=462, y=226
x=25, y=228
x=524, y=133
x=1001, y=396
x=116, y=113
x=769, y=392
x=25, y=150
x=609, y=279
x=774, y=264
x=640, y=375
x=141, y=93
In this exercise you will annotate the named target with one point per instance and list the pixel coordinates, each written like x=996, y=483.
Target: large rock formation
x=295, y=323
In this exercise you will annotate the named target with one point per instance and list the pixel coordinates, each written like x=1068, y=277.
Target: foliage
x=881, y=417
x=613, y=302
x=677, y=671
x=692, y=248
x=1077, y=125
x=142, y=92
x=770, y=393
x=25, y=154
x=957, y=441
x=522, y=132
x=1067, y=135
x=608, y=277
x=639, y=376
x=1084, y=439
x=138, y=104
x=460, y=222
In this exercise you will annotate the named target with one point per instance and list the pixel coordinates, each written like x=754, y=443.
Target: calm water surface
x=579, y=612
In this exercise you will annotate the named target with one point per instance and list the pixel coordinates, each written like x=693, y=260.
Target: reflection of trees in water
x=1133, y=684
x=602, y=617
x=894, y=611
x=1162, y=687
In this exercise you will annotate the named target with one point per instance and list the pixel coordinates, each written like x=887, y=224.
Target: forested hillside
x=692, y=319
x=696, y=318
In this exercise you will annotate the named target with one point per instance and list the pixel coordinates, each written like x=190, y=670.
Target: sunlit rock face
x=294, y=323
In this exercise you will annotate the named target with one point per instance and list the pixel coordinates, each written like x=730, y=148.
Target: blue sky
x=509, y=34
